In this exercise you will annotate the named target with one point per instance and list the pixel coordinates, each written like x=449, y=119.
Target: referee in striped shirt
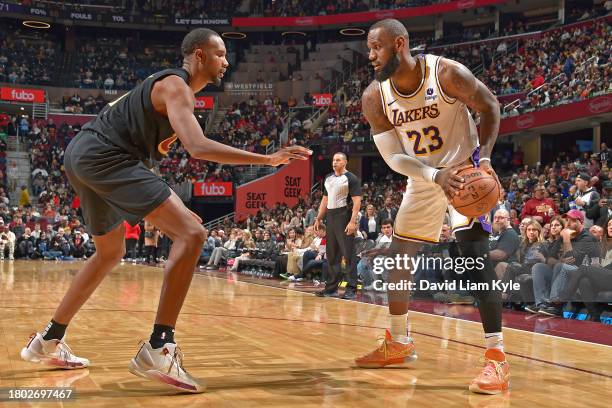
x=341, y=226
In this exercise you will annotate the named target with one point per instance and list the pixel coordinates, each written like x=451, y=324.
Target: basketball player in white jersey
x=418, y=112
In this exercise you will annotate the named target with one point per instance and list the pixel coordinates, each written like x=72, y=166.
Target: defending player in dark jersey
x=106, y=165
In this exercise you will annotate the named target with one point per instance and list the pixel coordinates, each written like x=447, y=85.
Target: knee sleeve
x=475, y=243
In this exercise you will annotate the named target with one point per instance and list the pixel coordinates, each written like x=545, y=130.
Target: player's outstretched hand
x=286, y=154
x=450, y=182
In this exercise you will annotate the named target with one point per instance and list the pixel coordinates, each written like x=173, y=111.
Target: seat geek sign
x=287, y=185
x=22, y=95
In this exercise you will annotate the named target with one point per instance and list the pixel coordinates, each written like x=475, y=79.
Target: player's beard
x=217, y=81
x=388, y=69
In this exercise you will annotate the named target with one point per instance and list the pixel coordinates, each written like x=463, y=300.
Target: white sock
x=494, y=341
x=399, y=328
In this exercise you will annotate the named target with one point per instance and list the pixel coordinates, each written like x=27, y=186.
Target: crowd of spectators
x=286, y=8
x=580, y=11
x=552, y=256
x=90, y=105
x=5, y=120
x=27, y=56
x=180, y=171
x=578, y=70
x=269, y=8
x=188, y=8
x=173, y=8
x=538, y=204
x=280, y=242
x=112, y=62
x=520, y=65
x=344, y=116
x=250, y=125
x=53, y=229
x=556, y=74
x=253, y=124
x=46, y=142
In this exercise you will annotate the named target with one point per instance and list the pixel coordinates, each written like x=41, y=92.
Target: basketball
x=479, y=195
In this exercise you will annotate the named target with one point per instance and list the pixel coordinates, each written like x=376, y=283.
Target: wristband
x=429, y=174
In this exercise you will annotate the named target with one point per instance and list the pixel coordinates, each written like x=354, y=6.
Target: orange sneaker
x=495, y=376
x=389, y=353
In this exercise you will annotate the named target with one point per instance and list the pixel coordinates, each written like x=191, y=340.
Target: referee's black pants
x=340, y=245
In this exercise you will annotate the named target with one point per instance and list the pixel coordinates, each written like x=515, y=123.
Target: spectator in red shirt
x=537, y=81
x=540, y=208
x=49, y=212
x=131, y=238
x=4, y=120
x=76, y=202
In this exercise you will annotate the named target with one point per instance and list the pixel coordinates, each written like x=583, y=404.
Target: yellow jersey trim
x=446, y=98
x=423, y=61
x=416, y=238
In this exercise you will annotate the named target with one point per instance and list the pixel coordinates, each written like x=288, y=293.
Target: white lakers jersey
x=432, y=127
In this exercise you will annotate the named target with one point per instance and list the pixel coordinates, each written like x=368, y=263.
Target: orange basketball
x=479, y=195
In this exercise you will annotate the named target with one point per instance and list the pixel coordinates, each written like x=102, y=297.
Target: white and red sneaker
x=53, y=352
x=164, y=365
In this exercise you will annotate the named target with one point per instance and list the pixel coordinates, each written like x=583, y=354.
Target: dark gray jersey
x=132, y=123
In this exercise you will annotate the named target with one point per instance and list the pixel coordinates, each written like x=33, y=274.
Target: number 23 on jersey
x=426, y=142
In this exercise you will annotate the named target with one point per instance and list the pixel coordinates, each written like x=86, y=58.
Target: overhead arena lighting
x=303, y=34
x=35, y=24
x=352, y=31
x=234, y=35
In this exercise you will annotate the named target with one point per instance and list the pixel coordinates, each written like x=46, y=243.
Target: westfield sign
x=22, y=95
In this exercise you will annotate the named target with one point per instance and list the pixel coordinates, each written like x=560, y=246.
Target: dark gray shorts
x=113, y=185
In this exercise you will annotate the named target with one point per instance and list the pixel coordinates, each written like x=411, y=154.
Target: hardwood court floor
x=269, y=347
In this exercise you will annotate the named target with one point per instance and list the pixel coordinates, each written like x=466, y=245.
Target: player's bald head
x=392, y=27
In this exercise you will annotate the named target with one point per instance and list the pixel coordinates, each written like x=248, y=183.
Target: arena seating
x=564, y=65
x=59, y=207
x=514, y=65
x=323, y=7
x=27, y=57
